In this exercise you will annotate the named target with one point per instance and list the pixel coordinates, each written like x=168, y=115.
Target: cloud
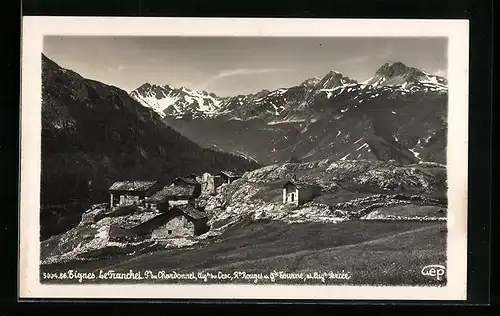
x=244, y=72
x=223, y=74
x=357, y=59
x=118, y=68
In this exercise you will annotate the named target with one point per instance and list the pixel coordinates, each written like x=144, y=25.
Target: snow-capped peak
x=334, y=79
x=399, y=74
x=176, y=101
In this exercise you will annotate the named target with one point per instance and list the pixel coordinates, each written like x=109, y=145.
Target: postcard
x=234, y=158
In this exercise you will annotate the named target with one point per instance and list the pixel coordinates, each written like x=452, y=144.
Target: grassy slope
x=373, y=252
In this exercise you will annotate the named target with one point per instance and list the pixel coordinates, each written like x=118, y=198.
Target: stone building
x=229, y=176
x=182, y=221
x=187, y=181
x=131, y=192
x=297, y=193
x=179, y=221
x=180, y=192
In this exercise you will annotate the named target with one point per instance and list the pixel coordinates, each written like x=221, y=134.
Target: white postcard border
x=35, y=28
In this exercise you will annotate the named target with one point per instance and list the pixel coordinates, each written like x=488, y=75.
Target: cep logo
x=434, y=271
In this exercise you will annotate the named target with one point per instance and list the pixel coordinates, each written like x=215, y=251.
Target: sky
x=229, y=66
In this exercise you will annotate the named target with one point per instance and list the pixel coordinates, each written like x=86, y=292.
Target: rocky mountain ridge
x=183, y=103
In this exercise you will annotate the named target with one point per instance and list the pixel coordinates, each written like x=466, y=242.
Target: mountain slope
x=400, y=113
x=94, y=134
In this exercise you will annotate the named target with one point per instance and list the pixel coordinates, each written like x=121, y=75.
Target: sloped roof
x=186, y=180
x=139, y=185
x=299, y=184
x=191, y=212
x=163, y=218
x=230, y=174
x=176, y=191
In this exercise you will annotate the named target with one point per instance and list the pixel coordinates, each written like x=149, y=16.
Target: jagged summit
x=397, y=73
x=334, y=79
x=310, y=82
x=144, y=86
x=391, y=70
x=333, y=72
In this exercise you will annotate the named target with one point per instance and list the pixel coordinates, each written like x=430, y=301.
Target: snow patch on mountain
x=176, y=101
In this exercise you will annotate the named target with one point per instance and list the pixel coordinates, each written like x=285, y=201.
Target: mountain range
x=400, y=113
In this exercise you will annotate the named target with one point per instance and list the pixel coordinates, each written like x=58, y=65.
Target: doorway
x=116, y=199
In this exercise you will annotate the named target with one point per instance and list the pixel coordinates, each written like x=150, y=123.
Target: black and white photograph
x=265, y=160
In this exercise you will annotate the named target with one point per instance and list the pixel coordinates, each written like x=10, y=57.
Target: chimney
x=294, y=177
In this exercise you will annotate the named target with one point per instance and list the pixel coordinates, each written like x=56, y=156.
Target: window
x=169, y=232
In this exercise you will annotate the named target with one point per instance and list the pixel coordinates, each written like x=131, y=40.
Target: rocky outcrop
x=101, y=234
x=350, y=190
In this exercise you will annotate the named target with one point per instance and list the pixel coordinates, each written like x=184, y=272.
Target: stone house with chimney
x=182, y=191
x=229, y=177
x=179, y=221
x=131, y=192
